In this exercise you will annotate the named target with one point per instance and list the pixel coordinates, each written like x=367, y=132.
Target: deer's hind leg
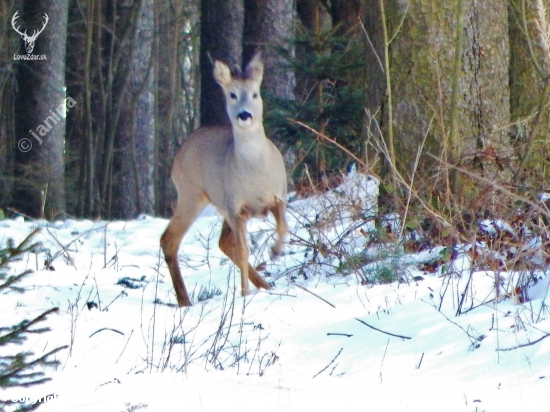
x=236, y=249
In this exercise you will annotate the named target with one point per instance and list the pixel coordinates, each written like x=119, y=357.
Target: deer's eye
x=233, y=95
x=255, y=96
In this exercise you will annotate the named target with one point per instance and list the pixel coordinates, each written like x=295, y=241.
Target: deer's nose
x=244, y=115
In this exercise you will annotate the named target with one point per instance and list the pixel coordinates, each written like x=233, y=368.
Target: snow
x=298, y=347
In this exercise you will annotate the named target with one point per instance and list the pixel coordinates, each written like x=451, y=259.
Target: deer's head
x=29, y=40
x=242, y=92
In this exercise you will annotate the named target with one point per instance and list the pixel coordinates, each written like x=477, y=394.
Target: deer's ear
x=222, y=73
x=255, y=69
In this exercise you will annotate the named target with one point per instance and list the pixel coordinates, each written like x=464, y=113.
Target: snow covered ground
x=321, y=339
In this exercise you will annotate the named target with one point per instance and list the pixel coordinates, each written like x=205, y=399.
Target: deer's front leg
x=242, y=254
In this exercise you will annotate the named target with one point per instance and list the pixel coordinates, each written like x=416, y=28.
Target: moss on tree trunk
x=529, y=74
x=422, y=58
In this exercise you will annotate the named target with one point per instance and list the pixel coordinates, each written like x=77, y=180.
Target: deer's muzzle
x=244, y=118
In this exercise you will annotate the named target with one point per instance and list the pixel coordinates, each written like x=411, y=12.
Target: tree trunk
x=374, y=70
x=166, y=74
x=313, y=15
x=41, y=108
x=222, y=24
x=76, y=139
x=345, y=13
x=8, y=89
x=144, y=103
x=177, y=75
x=269, y=26
x=461, y=105
x=132, y=185
x=529, y=91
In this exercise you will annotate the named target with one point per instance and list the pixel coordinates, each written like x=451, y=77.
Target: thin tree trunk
x=80, y=118
x=132, y=189
x=167, y=51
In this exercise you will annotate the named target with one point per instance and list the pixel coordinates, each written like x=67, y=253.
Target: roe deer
x=237, y=169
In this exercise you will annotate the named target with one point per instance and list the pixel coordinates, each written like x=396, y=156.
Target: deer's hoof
x=275, y=253
x=185, y=302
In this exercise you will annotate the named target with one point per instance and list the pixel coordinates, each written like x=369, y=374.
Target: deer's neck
x=251, y=143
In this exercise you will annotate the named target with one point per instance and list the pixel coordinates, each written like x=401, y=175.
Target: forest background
x=446, y=102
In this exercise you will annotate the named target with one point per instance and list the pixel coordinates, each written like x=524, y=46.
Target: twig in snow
x=420, y=363
x=331, y=362
x=65, y=248
x=281, y=294
x=474, y=339
x=124, y=348
x=106, y=308
x=383, y=358
x=523, y=345
x=317, y=296
x=339, y=334
x=102, y=329
x=463, y=295
x=380, y=330
x=64, y=251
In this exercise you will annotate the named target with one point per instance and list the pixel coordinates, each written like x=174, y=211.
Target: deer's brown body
x=237, y=169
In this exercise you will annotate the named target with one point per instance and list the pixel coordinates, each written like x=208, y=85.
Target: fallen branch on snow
x=380, y=330
x=523, y=345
